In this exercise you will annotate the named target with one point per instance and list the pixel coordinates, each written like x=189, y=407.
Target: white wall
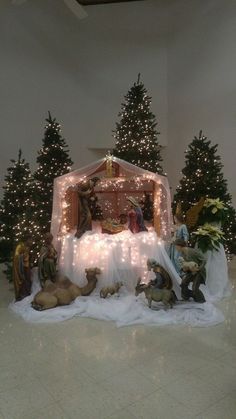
x=79, y=69
x=201, y=81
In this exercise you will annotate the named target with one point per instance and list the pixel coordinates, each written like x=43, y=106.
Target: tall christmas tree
x=136, y=134
x=16, y=199
x=54, y=161
x=203, y=178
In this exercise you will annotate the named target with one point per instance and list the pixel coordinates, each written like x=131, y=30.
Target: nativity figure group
x=158, y=289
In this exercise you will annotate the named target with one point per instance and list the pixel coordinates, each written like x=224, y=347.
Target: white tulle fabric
x=217, y=281
x=62, y=183
x=124, y=309
x=121, y=257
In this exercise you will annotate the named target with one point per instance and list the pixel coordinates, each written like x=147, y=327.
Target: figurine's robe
x=21, y=271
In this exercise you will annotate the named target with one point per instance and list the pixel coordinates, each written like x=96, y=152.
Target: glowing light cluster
x=121, y=254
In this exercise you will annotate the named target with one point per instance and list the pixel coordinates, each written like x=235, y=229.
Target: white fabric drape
x=217, y=281
x=124, y=309
x=121, y=257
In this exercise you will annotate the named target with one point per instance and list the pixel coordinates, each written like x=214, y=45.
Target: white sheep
x=188, y=265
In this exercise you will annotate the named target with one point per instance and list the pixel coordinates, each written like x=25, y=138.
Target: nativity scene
x=99, y=227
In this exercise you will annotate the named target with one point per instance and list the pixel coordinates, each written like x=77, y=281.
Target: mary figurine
x=135, y=217
x=181, y=232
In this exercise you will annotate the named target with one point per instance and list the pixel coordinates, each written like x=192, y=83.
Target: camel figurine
x=63, y=291
x=113, y=289
x=154, y=294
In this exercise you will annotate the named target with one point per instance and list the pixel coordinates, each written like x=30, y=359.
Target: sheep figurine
x=188, y=265
x=113, y=289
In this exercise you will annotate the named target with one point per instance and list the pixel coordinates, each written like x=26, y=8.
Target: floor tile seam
x=179, y=370
x=206, y=368
x=139, y=398
x=211, y=405
x=99, y=381
x=48, y=389
x=205, y=357
x=51, y=404
x=172, y=381
x=2, y=416
x=120, y=374
x=23, y=381
x=89, y=374
x=79, y=410
x=83, y=410
x=44, y=406
x=157, y=386
x=227, y=352
x=152, y=393
x=72, y=360
x=119, y=410
x=130, y=404
x=186, y=405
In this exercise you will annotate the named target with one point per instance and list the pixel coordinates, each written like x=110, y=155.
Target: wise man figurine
x=22, y=269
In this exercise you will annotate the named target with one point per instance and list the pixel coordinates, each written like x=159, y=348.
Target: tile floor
x=88, y=369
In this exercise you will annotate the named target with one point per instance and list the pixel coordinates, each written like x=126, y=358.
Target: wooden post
x=157, y=209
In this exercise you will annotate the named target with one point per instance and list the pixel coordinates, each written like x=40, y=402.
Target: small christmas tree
x=16, y=200
x=54, y=161
x=203, y=178
x=135, y=134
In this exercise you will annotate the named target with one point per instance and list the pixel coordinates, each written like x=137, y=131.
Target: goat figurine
x=166, y=296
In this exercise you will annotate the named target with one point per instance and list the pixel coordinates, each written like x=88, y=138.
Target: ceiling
x=90, y=2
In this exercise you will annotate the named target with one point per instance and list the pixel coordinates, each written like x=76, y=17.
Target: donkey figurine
x=166, y=296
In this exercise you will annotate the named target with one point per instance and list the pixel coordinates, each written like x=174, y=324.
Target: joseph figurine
x=85, y=192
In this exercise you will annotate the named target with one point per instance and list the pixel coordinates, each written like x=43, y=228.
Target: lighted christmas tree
x=28, y=224
x=136, y=135
x=54, y=161
x=16, y=199
x=203, y=178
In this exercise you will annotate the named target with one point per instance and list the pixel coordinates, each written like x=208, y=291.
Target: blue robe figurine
x=181, y=232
